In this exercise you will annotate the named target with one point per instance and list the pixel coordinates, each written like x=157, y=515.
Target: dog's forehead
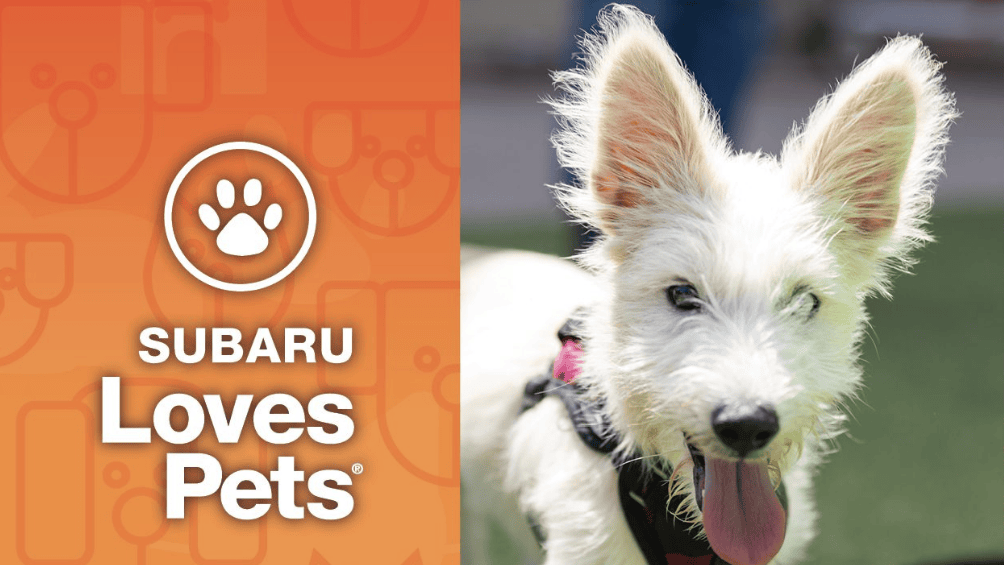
x=765, y=231
x=757, y=206
x=752, y=231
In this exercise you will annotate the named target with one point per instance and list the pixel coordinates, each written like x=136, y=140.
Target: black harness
x=644, y=495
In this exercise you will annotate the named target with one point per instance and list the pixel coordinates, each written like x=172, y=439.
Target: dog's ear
x=637, y=127
x=869, y=155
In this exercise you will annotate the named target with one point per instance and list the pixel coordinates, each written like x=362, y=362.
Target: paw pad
x=242, y=236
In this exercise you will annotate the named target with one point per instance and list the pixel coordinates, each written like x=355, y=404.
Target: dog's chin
x=741, y=512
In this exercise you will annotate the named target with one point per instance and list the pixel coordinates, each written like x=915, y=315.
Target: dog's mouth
x=698, y=456
x=742, y=513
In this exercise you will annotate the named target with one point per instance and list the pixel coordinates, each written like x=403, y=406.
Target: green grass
x=545, y=236
x=920, y=476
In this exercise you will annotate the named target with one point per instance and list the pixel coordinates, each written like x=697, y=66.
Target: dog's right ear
x=869, y=155
x=637, y=129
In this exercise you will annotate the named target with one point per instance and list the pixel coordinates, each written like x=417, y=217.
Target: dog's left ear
x=869, y=155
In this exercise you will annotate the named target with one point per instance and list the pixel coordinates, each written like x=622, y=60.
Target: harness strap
x=661, y=537
x=642, y=487
x=588, y=418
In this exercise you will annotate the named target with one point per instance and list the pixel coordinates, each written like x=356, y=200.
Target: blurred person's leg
x=718, y=41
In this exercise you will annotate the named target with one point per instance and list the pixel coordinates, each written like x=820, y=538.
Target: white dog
x=724, y=313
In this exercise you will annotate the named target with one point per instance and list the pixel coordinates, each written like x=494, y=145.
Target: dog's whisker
x=636, y=459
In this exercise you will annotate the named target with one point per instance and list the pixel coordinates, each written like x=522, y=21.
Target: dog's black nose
x=745, y=430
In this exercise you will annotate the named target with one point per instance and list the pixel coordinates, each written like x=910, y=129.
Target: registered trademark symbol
x=357, y=468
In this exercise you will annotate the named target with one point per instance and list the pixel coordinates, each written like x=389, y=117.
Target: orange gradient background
x=101, y=103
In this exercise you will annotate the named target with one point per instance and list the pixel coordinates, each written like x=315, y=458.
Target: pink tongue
x=743, y=517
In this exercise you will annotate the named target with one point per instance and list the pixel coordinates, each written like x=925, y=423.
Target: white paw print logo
x=242, y=236
x=249, y=229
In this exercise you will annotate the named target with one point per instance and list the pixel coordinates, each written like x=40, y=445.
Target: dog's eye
x=684, y=297
x=804, y=304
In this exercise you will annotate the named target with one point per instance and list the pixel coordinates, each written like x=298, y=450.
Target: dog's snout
x=745, y=431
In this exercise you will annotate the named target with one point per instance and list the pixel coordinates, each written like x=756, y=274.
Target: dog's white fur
x=842, y=207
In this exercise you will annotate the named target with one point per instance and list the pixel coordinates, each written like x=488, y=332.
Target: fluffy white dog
x=724, y=312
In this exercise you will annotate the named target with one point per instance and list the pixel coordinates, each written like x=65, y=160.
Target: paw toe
x=273, y=215
x=225, y=193
x=252, y=192
x=209, y=217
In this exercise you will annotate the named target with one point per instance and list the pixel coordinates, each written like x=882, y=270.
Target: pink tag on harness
x=568, y=364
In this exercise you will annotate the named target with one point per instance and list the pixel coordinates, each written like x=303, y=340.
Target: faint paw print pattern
x=55, y=437
x=414, y=378
x=242, y=236
x=349, y=29
x=61, y=108
x=39, y=277
x=388, y=171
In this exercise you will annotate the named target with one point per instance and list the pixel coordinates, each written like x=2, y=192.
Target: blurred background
x=919, y=479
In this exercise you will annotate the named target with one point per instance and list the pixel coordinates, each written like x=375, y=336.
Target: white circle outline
x=247, y=146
